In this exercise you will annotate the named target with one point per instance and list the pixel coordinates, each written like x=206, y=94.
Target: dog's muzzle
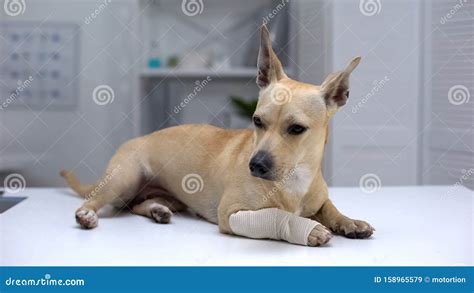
x=261, y=165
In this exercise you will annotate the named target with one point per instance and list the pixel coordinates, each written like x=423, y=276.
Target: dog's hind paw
x=87, y=218
x=320, y=235
x=161, y=214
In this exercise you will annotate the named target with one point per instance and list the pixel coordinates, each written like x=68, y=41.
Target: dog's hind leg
x=159, y=207
x=154, y=209
x=119, y=183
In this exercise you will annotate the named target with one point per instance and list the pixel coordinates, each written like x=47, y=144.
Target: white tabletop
x=430, y=225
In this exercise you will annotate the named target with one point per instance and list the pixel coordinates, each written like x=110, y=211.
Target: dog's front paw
x=320, y=235
x=87, y=218
x=161, y=214
x=356, y=229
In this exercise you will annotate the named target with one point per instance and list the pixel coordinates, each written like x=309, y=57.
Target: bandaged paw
x=272, y=223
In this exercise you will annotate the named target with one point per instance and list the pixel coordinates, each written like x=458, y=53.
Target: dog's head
x=291, y=118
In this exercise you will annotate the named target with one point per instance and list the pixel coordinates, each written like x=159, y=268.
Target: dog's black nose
x=261, y=165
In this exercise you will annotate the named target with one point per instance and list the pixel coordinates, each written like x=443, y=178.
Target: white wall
x=84, y=137
x=377, y=134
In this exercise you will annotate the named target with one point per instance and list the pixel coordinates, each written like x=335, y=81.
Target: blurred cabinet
x=448, y=139
x=215, y=49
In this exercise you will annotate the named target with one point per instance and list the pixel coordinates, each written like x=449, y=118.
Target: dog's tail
x=82, y=189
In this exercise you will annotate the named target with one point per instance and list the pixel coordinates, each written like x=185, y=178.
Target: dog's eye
x=257, y=122
x=296, y=129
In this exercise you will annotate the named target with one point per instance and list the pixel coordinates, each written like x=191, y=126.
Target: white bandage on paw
x=272, y=223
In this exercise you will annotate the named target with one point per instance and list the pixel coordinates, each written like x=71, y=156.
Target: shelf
x=242, y=72
x=239, y=72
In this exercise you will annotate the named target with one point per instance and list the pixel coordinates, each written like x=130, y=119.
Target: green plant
x=173, y=61
x=244, y=108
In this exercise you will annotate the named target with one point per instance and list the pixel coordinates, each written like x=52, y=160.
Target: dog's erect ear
x=336, y=86
x=269, y=67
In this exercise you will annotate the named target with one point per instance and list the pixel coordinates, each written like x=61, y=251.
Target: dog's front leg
x=273, y=223
x=330, y=217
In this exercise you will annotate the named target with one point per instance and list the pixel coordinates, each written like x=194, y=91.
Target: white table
x=428, y=225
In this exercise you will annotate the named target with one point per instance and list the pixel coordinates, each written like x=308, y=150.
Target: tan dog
x=217, y=172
